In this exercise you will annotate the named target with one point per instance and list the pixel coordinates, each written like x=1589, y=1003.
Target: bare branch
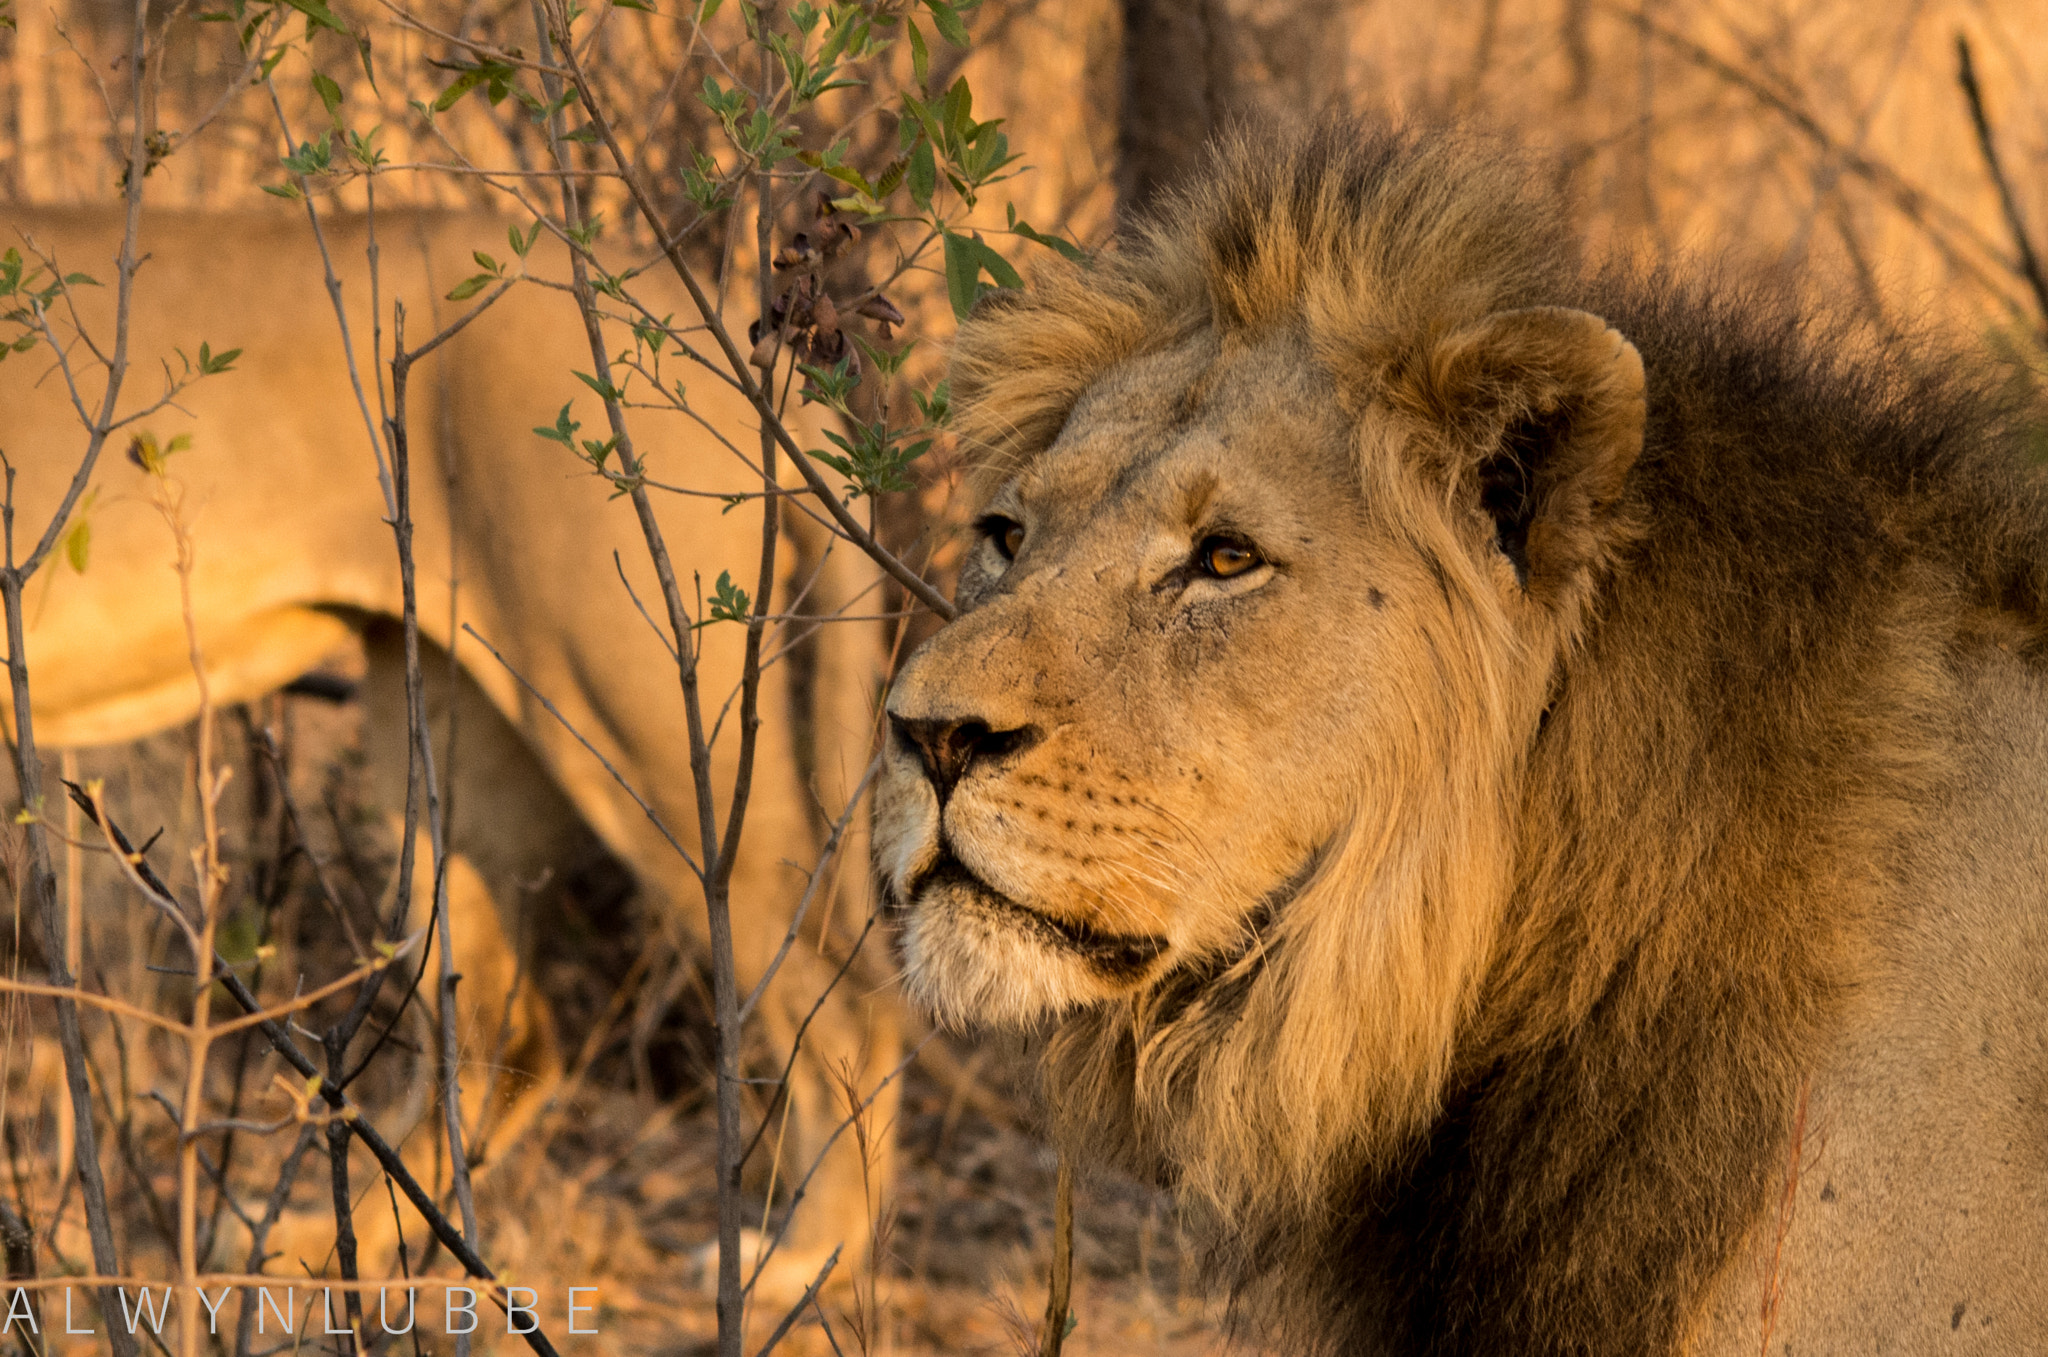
x=1059, y=1294
x=796, y=1311
x=2029, y=263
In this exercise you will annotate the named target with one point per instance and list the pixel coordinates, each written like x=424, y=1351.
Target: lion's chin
x=976, y=959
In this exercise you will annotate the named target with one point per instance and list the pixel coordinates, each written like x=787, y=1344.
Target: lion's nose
x=949, y=747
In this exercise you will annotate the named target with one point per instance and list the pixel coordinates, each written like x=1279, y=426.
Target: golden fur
x=1463, y=904
x=284, y=507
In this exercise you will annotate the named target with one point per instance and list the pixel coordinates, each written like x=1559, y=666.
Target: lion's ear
x=1540, y=415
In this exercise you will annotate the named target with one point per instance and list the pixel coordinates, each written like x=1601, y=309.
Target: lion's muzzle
x=950, y=747
x=987, y=934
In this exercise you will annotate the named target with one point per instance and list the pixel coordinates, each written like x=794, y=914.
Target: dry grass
x=612, y=1185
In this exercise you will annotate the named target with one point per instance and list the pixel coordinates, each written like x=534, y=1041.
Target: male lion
x=282, y=497
x=1516, y=788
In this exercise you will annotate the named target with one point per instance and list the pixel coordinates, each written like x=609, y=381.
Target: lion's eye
x=1006, y=533
x=1224, y=557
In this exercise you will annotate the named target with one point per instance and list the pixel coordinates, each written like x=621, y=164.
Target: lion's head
x=1283, y=527
x=1431, y=728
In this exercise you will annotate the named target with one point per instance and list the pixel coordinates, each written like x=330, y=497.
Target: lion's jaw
x=1152, y=757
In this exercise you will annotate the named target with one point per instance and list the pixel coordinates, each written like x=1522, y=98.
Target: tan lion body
x=1514, y=788
x=282, y=498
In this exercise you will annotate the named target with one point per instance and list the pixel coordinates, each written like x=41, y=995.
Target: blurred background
x=1835, y=144
x=1828, y=136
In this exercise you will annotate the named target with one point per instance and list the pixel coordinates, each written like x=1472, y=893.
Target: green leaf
x=318, y=16
x=959, y=119
x=922, y=174
x=640, y=5
x=707, y=9
x=729, y=602
x=1067, y=248
x=936, y=408
x=469, y=80
x=211, y=363
x=653, y=333
x=920, y=55
x=564, y=430
x=948, y=20
x=470, y=286
x=997, y=266
x=966, y=257
x=362, y=149
x=963, y=274
x=923, y=112
x=78, y=545
x=603, y=389
x=852, y=178
x=886, y=362
x=461, y=85
x=727, y=104
x=80, y=280
x=312, y=157
x=892, y=177
x=329, y=92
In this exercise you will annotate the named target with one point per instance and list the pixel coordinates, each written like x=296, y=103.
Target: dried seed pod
x=839, y=237
x=766, y=344
x=879, y=307
x=825, y=315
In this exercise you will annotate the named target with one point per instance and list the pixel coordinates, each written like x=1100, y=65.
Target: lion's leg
x=510, y=833
x=508, y=1058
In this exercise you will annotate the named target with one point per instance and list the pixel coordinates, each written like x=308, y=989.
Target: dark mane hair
x=1718, y=800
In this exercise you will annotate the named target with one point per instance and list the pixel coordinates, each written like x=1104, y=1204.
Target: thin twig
x=804, y=1183
x=27, y=758
x=1942, y=225
x=1059, y=1293
x=796, y=1044
x=796, y=1311
x=2029, y=263
x=421, y=759
x=280, y=1193
x=387, y=1157
x=333, y=284
x=825, y=859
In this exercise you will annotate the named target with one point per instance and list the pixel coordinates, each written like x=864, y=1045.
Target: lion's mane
x=1703, y=829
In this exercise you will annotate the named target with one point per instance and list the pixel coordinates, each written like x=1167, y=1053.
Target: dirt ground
x=610, y=1187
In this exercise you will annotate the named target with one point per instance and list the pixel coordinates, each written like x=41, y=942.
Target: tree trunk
x=1194, y=68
